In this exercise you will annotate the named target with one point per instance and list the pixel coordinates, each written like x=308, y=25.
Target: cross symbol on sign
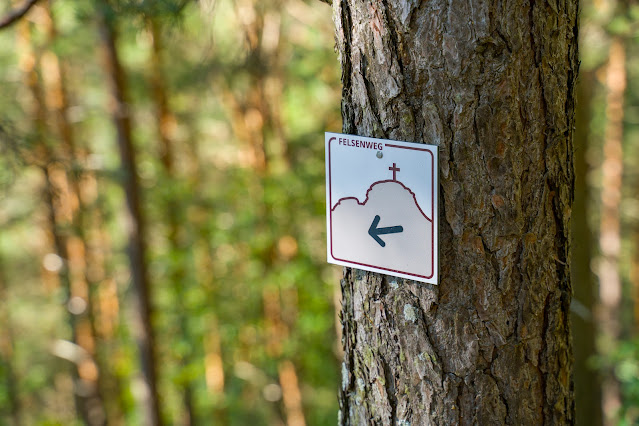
x=395, y=169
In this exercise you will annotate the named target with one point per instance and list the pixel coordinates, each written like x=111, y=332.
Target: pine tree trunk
x=58, y=196
x=143, y=311
x=7, y=353
x=206, y=277
x=56, y=100
x=587, y=380
x=610, y=283
x=165, y=121
x=493, y=86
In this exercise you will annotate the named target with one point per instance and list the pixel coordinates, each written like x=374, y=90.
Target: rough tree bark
x=491, y=83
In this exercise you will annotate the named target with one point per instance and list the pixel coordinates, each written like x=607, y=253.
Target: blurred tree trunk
x=143, y=312
x=100, y=274
x=56, y=100
x=86, y=257
x=255, y=118
x=610, y=287
x=493, y=86
x=58, y=197
x=166, y=123
x=634, y=277
x=206, y=275
x=587, y=380
x=7, y=352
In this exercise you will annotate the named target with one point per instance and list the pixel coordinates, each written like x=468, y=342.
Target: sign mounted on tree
x=381, y=206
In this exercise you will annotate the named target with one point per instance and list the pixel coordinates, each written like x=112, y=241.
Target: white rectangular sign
x=381, y=206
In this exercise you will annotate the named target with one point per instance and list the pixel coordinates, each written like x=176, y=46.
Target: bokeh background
x=210, y=115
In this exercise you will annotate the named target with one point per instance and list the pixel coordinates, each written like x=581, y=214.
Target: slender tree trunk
x=493, y=86
x=177, y=276
x=255, y=118
x=56, y=99
x=107, y=315
x=143, y=312
x=610, y=287
x=291, y=394
x=206, y=276
x=57, y=198
x=634, y=278
x=7, y=352
x=587, y=380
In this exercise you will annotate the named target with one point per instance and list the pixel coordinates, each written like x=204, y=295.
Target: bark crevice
x=492, y=86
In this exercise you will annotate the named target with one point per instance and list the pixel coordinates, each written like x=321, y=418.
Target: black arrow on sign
x=374, y=231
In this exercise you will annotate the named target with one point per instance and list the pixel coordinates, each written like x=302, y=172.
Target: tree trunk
x=610, y=285
x=205, y=274
x=587, y=380
x=166, y=122
x=143, y=311
x=7, y=352
x=82, y=294
x=493, y=86
x=58, y=197
x=255, y=118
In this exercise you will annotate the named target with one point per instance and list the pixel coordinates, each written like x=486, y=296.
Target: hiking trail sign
x=381, y=206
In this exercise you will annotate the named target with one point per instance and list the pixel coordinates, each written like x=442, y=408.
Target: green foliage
x=239, y=231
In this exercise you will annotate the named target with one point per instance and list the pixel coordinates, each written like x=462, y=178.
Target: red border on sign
x=432, y=219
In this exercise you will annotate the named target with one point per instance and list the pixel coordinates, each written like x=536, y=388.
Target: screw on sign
x=365, y=202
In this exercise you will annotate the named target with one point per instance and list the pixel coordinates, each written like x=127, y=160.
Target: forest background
x=191, y=132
